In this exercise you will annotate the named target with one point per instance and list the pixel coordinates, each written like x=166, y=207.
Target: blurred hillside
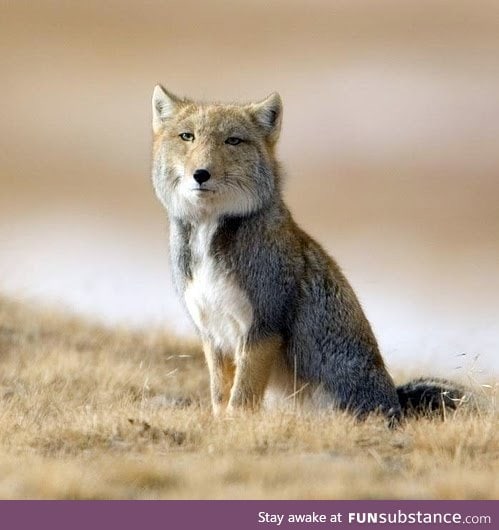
x=390, y=142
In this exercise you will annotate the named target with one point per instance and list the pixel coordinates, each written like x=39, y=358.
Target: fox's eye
x=233, y=140
x=187, y=137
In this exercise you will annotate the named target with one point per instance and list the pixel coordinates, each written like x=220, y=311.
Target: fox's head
x=213, y=159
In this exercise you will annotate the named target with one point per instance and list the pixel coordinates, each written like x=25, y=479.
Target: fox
x=276, y=316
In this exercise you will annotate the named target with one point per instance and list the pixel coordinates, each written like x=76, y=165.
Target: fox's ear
x=268, y=114
x=164, y=105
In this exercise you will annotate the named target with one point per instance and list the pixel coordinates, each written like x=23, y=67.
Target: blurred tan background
x=390, y=143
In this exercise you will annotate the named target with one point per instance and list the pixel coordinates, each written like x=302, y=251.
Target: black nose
x=201, y=175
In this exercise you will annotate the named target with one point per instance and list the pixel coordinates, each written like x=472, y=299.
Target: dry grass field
x=93, y=413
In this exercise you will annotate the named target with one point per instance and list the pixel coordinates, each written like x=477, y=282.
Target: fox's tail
x=426, y=396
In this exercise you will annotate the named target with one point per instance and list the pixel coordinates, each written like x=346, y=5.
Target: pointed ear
x=164, y=105
x=268, y=114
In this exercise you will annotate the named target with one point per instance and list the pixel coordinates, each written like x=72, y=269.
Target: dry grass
x=89, y=412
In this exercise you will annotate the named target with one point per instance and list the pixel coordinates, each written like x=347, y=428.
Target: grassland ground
x=89, y=412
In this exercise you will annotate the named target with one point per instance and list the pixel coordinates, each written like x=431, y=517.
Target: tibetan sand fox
x=276, y=315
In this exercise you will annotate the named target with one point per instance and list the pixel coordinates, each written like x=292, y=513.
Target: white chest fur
x=219, y=307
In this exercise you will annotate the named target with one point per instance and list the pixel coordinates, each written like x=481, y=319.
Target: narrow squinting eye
x=187, y=137
x=233, y=140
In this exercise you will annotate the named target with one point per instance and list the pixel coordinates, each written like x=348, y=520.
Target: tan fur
x=253, y=368
x=222, y=370
x=240, y=382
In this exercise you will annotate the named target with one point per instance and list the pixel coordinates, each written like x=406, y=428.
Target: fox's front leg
x=253, y=366
x=221, y=370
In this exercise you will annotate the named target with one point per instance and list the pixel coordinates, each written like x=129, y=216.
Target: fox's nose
x=201, y=175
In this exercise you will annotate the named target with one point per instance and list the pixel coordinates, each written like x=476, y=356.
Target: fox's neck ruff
x=198, y=218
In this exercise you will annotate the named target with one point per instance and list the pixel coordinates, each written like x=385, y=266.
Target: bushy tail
x=426, y=396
